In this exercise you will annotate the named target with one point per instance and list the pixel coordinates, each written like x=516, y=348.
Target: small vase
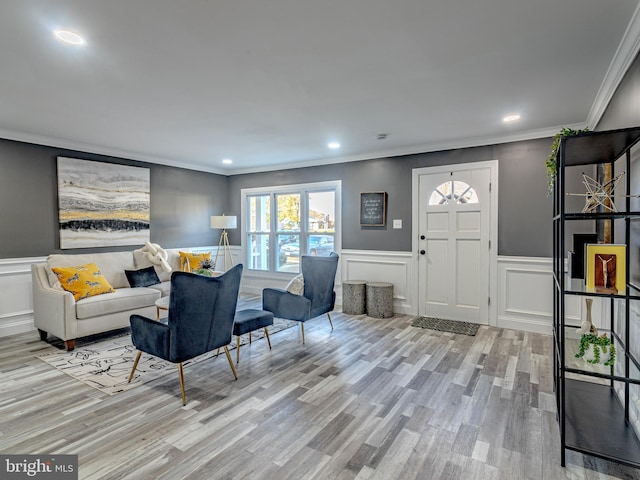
x=587, y=327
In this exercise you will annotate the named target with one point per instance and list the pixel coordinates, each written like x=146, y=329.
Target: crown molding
x=394, y=152
x=625, y=55
x=101, y=150
x=546, y=132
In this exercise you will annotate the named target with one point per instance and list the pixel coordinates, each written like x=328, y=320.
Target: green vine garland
x=552, y=161
x=600, y=344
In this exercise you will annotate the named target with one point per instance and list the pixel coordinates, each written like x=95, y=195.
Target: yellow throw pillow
x=195, y=261
x=83, y=281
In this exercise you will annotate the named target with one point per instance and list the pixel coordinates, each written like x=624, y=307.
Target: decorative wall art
x=606, y=264
x=373, y=209
x=102, y=204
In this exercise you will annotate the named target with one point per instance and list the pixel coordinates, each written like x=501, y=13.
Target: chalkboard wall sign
x=373, y=209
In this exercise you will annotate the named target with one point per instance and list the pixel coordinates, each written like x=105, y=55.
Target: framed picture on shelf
x=606, y=265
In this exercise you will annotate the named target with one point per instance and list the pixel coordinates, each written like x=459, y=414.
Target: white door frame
x=493, y=227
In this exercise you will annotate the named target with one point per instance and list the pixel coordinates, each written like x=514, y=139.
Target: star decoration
x=600, y=194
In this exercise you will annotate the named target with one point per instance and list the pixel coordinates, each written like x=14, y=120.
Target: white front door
x=454, y=243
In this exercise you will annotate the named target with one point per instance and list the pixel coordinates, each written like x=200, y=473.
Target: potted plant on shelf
x=597, y=350
x=552, y=161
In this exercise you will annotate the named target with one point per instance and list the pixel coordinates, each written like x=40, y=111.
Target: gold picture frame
x=606, y=265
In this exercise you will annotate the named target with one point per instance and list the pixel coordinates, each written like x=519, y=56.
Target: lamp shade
x=224, y=222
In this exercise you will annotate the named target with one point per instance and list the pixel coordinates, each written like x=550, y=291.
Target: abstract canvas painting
x=102, y=204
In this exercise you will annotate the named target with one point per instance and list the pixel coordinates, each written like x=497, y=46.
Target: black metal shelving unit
x=594, y=402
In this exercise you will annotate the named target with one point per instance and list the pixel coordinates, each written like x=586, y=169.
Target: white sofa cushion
x=112, y=265
x=163, y=287
x=121, y=300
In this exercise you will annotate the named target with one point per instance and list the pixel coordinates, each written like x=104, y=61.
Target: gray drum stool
x=353, y=297
x=246, y=321
x=380, y=299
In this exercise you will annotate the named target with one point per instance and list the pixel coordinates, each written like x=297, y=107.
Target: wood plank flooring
x=371, y=399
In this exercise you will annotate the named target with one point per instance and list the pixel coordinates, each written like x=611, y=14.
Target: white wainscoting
x=377, y=266
x=16, y=298
x=16, y=304
x=525, y=295
x=525, y=288
x=373, y=266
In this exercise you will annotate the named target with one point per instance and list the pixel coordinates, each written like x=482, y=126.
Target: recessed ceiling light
x=67, y=36
x=511, y=118
x=227, y=161
x=333, y=145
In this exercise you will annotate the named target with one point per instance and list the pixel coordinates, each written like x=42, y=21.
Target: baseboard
x=17, y=322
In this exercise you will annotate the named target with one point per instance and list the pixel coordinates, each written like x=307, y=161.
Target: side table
x=353, y=297
x=380, y=299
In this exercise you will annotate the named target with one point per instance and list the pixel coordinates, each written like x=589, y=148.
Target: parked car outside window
x=321, y=245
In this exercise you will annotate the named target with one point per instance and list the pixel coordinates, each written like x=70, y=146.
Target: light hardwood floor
x=372, y=399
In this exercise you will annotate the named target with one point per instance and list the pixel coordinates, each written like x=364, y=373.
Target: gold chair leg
x=249, y=338
x=266, y=334
x=217, y=352
x=302, y=328
x=238, y=349
x=233, y=368
x=135, y=365
x=181, y=374
x=330, y=322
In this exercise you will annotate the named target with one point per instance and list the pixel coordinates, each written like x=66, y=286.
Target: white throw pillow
x=296, y=285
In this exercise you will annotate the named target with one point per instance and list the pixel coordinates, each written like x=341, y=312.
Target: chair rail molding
x=16, y=299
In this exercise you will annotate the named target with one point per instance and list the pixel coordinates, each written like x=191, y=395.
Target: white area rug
x=106, y=364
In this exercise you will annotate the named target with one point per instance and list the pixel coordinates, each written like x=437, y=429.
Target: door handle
x=422, y=252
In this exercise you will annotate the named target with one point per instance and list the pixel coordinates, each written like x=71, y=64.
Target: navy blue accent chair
x=319, y=274
x=200, y=319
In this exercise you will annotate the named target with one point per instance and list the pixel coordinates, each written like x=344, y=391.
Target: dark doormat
x=452, y=326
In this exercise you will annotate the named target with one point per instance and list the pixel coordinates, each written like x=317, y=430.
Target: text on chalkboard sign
x=373, y=209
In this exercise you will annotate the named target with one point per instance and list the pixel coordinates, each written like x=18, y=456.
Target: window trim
x=335, y=185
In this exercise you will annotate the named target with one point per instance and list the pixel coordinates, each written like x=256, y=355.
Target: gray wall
x=181, y=201
x=524, y=210
x=623, y=111
x=524, y=223
x=624, y=108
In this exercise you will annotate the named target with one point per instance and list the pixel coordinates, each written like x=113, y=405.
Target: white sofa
x=56, y=312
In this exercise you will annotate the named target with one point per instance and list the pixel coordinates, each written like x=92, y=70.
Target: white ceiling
x=268, y=83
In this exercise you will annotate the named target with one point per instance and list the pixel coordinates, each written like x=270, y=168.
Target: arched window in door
x=453, y=191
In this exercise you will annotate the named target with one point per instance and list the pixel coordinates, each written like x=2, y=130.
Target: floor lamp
x=223, y=222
